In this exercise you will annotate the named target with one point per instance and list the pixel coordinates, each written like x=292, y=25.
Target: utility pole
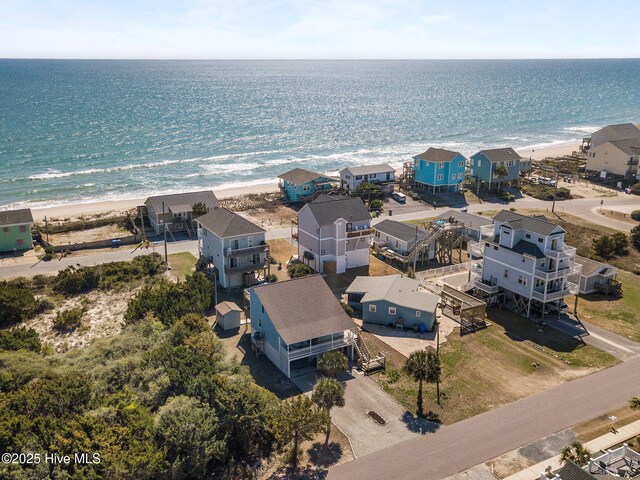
x=215, y=288
x=164, y=230
x=141, y=215
x=46, y=228
x=555, y=192
x=415, y=252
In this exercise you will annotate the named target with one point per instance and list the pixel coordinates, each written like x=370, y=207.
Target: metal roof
x=399, y=230
x=395, y=289
x=368, y=169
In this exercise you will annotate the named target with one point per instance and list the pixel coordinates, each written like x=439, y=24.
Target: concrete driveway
x=363, y=395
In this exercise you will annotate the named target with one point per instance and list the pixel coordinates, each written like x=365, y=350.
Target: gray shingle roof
x=369, y=169
x=16, y=217
x=399, y=230
x=500, y=154
x=225, y=307
x=303, y=308
x=179, y=199
x=591, y=267
x=470, y=220
x=630, y=146
x=437, y=155
x=571, y=471
x=300, y=176
x=517, y=221
x=623, y=130
x=326, y=209
x=395, y=289
x=225, y=223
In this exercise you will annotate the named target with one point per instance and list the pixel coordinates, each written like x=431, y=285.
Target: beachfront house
x=472, y=223
x=300, y=185
x=398, y=237
x=351, y=177
x=596, y=277
x=612, y=133
x=294, y=321
x=15, y=230
x=393, y=300
x=526, y=262
x=439, y=170
x=486, y=165
x=615, y=159
x=178, y=210
x=333, y=233
x=232, y=247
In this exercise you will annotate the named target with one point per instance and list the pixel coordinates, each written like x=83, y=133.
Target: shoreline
x=103, y=207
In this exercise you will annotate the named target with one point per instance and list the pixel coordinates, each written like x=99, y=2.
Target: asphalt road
x=583, y=208
x=462, y=445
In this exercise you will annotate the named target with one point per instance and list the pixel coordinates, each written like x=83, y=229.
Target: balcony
x=246, y=267
x=235, y=252
x=561, y=273
x=475, y=249
x=566, y=252
x=486, y=232
x=570, y=289
x=490, y=287
x=360, y=233
x=339, y=341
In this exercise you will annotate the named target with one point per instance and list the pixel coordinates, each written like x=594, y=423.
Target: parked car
x=553, y=307
x=399, y=197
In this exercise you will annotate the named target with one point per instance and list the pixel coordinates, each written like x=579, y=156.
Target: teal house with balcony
x=439, y=170
x=295, y=321
x=485, y=166
x=15, y=230
x=300, y=185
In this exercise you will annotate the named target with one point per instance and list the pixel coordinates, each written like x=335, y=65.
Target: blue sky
x=224, y=29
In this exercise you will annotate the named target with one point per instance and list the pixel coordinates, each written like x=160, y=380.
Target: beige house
x=616, y=158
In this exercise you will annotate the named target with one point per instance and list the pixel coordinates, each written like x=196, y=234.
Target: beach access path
x=584, y=208
x=457, y=447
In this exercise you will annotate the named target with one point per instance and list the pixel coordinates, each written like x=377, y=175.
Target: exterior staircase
x=366, y=362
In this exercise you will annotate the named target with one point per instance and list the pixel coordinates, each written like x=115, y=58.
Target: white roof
x=395, y=289
x=368, y=169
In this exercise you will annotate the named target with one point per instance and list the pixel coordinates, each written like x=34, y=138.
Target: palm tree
x=500, y=172
x=327, y=394
x=423, y=366
x=299, y=420
x=435, y=371
x=634, y=403
x=332, y=363
x=576, y=453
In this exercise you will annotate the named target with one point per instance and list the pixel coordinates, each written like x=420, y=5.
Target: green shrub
x=68, y=320
x=393, y=375
x=271, y=278
x=20, y=338
x=296, y=270
x=17, y=304
x=375, y=205
x=636, y=215
x=635, y=188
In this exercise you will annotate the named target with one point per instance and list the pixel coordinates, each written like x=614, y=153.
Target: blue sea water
x=89, y=130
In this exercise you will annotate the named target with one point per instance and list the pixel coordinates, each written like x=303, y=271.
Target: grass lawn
x=601, y=425
x=616, y=315
x=492, y=367
x=545, y=192
x=182, y=264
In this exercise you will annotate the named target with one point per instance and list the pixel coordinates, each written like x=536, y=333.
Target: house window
x=527, y=235
x=479, y=162
x=233, y=262
x=305, y=188
x=461, y=163
x=539, y=283
x=506, y=232
x=524, y=259
x=418, y=313
x=323, y=252
x=262, y=308
x=235, y=244
x=348, y=177
x=358, y=177
x=249, y=241
x=506, y=273
x=5, y=229
x=471, y=172
x=23, y=228
x=510, y=163
x=441, y=165
x=372, y=308
x=522, y=280
x=440, y=176
x=453, y=176
x=373, y=175
x=20, y=242
x=349, y=227
x=460, y=175
x=255, y=259
x=392, y=310
x=495, y=247
x=539, y=240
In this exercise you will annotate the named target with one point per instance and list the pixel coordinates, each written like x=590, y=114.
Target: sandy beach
x=94, y=208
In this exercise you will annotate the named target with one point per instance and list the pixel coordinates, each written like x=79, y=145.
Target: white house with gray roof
x=234, y=246
x=178, y=210
x=333, y=233
x=610, y=133
x=595, y=276
x=393, y=300
x=351, y=177
x=294, y=321
x=526, y=259
x=399, y=236
x=472, y=222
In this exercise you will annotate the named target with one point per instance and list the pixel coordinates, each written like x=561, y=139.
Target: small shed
x=228, y=315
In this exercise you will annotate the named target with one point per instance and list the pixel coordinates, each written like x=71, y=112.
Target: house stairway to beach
x=408, y=176
x=366, y=362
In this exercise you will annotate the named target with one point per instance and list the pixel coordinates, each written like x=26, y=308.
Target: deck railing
x=339, y=342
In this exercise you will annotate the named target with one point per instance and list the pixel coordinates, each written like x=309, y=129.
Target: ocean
x=86, y=130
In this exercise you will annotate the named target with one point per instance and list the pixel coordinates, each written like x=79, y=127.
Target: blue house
x=300, y=185
x=439, y=170
x=294, y=321
x=484, y=164
x=393, y=300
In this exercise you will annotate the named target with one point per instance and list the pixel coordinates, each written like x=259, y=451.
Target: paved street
x=586, y=208
x=462, y=445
